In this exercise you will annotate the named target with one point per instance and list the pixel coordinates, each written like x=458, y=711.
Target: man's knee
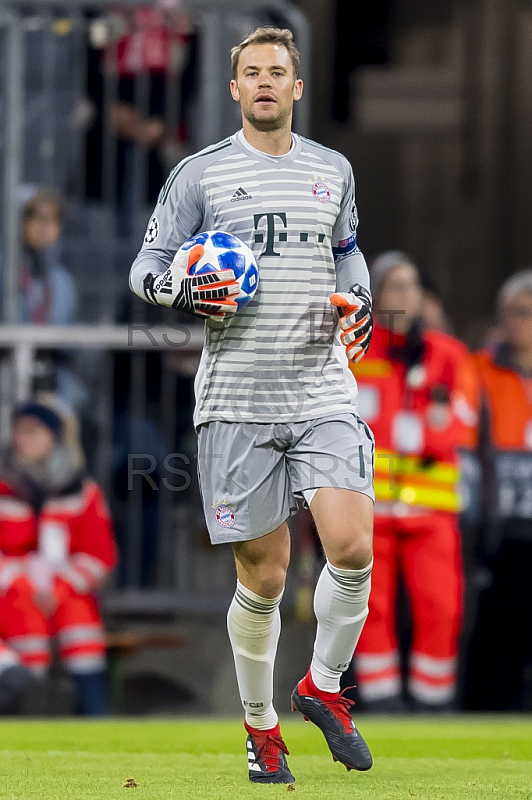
x=352, y=550
x=266, y=578
x=262, y=563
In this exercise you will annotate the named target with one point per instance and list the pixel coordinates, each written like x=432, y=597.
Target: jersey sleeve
x=178, y=215
x=351, y=265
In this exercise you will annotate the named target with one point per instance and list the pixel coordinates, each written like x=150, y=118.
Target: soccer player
x=274, y=410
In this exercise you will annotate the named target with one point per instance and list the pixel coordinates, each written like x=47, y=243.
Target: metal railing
x=132, y=386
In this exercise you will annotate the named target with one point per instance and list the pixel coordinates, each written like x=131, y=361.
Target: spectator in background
x=417, y=393
x=56, y=550
x=147, y=57
x=47, y=293
x=434, y=316
x=501, y=651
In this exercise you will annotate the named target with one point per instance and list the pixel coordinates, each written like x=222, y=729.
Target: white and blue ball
x=225, y=251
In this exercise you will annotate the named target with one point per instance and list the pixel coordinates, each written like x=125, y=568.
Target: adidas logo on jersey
x=240, y=194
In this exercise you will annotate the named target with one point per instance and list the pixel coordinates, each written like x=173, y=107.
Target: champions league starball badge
x=153, y=231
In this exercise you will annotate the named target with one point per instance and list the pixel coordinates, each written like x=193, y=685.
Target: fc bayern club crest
x=321, y=192
x=225, y=517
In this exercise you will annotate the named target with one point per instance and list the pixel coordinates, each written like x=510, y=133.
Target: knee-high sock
x=254, y=625
x=341, y=608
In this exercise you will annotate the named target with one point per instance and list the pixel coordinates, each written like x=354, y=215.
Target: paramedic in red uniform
x=417, y=392
x=56, y=549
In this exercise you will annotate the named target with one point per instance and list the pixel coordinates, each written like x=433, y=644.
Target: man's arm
x=352, y=296
x=161, y=274
x=351, y=267
x=177, y=216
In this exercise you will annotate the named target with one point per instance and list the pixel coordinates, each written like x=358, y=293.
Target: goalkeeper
x=275, y=410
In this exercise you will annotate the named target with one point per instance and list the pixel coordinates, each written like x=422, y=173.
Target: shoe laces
x=340, y=708
x=268, y=747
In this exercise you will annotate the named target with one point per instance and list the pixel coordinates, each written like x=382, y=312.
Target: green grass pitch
x=456, y=758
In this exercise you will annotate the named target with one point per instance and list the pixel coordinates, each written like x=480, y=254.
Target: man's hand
x=356, y=320
x=209, y=295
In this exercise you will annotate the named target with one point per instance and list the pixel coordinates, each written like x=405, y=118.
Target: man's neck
x=273, y=143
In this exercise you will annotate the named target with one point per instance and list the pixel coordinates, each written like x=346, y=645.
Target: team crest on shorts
x=225, y=517
x=321, y=192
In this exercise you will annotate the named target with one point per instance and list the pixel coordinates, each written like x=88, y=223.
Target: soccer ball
x=225, y=251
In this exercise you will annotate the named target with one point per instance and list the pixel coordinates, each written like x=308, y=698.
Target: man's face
x=42, y=227
x=266, y=86
x=401, y=292
x=517, y=320
x=31, y=440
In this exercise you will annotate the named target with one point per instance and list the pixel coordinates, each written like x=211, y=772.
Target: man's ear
x=298, y=89
x=233, y=88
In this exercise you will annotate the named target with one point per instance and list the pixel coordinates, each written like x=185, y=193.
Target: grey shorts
x=251, y=473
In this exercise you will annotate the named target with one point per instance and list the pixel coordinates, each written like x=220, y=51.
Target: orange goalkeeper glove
x=356, y=320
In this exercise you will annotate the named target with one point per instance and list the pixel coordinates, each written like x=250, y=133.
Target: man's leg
x=344, y=520
x=254, y=625
x=377, y=657
x=82, y=649
x=433, y=575
x=247, y=500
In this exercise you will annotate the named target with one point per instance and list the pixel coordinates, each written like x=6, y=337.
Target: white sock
x=341, y=608
x=254, y=625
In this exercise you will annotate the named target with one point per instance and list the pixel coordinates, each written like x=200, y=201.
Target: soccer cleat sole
x=353, y=753
x=274, y=778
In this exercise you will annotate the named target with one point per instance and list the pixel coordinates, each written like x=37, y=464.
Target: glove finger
x=358, y=357
x=355, y=334
x=217, y=308
x=223, y=278
x=216, y=292
x=194, y=255
x=354, y=351
x=353, y=320
x=341, y=300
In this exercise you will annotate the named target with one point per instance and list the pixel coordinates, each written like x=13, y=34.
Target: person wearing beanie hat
x=46, y=416
x=417, y=392
x=56, y=549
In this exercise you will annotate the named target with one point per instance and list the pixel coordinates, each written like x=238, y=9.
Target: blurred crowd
x=452, y=581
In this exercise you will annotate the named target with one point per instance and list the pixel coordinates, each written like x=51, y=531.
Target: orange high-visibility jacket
x=420, y=416
x=507, y=398
x=67, y=546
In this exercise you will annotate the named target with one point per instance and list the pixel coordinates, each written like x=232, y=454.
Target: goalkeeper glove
x=208, y=295
x=356, y=320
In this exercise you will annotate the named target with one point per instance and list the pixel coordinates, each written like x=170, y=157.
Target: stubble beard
x=266, y=125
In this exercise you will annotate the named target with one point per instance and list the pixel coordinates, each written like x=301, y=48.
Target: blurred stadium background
x=431, y=103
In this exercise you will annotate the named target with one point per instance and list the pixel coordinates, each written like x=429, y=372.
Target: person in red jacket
x=417, y=392
x=56, y=549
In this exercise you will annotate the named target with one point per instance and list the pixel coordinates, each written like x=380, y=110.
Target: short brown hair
x=268, y=35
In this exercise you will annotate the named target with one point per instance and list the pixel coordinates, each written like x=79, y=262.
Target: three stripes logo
x=253, y=764
x=240, y=194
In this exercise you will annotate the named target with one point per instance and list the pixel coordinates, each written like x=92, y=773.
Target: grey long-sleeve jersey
x=274, y=360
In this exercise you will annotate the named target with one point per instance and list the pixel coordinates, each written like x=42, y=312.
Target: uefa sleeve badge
x=153, y=231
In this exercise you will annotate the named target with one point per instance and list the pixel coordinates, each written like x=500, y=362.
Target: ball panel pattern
x=225, y=251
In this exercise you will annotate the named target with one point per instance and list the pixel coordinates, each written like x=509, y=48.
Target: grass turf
x=456, y=758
